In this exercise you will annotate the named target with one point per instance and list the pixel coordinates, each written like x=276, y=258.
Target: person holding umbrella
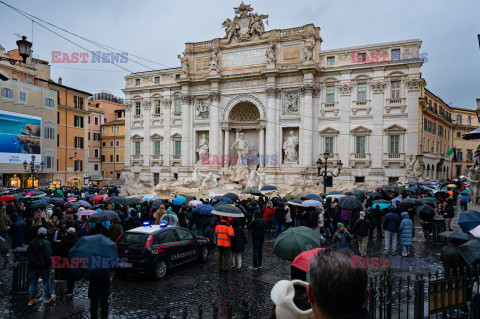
x=391, y=223
x=224, y=232
x=257, y=228
x=66, y=274
x=238, y=244
x=451, y=257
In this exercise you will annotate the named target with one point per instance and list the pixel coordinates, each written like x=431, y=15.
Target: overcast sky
x=157, y=31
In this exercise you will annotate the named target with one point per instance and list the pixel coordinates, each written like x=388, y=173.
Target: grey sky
x=157, y=30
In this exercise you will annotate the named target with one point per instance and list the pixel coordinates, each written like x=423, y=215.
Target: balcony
x=136, y=160
x=329, y=107
x=363, y=106
x=360, y=159
x=156, y=160
x=176, y=159
x=394, y=158
x=398, y=103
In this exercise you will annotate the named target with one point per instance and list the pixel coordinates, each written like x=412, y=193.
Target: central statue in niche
x=241, y=147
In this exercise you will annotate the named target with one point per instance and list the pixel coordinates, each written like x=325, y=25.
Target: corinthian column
x=306, y=119
x=270, y=140
x=214, y=136
x=186, y=130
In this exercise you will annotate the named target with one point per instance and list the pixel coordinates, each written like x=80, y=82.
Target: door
x=188, y=246
x=165, y=245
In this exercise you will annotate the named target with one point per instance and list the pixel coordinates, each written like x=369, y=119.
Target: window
x=111, y=173
x=395, y=90
x=396, y=54
x=362, y=92
x=78, y=165
x=459, y=134
x=22, y=97
x=88, y=136
x=359, y=179
x=7, y=93
x=96, y=152
x=392, y=180
x=459, y=170
x=96, y=136
x=360, y=144
x=434, y=128
x=78, y=101
x=330, y=60
x=157, y=107
x=177, y=76
x=78, y=142
x=469, y=120
x=469, y=156
x=49, y=130
x=459, y=118
x=425, y=124
x=329, y=144
x=117, y=175
x=95, y=167
x=58, y=117
x=165, y=236
x=111, y=158
x=394, y=143
x=96, y=120
x=103, y=158
x=118, y=129
x=178, y=147
x=435, y=107
x=136, y=148
x=117, y=143
x=111, y=143
x=89, y=119
x=330, y=91
x=49, y=162
x=178, y=106
x=137, y=81
x=137, y=109
x=184, y=234
x=103, y=143
x=103, y=130
x=78, y=121
x=156, y=148
x=112, y=129
x=157, y=79
x=156, y=180
x=459, y=155
x=362, y=57
x=117, y=158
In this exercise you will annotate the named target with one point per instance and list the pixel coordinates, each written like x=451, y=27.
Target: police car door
x=165, y=245
x=187, y=248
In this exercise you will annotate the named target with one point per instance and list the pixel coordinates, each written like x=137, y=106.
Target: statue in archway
x=241, y=147
x=202, y=149
x=290, y=148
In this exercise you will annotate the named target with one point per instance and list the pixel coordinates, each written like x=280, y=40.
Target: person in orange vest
x=224, y=232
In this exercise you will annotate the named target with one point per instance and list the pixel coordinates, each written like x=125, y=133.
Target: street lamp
x=326, y=174
x=32, y=169
x=24, y=50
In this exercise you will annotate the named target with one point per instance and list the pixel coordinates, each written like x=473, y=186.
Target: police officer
x=224, y=232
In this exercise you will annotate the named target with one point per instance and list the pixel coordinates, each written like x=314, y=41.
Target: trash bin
x=20, y=280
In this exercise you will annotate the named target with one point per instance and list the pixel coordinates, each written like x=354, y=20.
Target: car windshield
x=133, y=240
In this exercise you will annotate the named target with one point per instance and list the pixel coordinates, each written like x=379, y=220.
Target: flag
x=453, y=154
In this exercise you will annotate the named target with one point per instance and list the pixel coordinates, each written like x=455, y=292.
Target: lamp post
x=326, y=174
x=30, y=168
x=24, y=50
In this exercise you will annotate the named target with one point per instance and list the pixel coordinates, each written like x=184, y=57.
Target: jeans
x=406, y=249
x=94, y=308
x=390, y=237
x=362, y=245
x=298, y=222
x=257, y=254
x=268, y=225
x=34, y=275
x=236, y=260
x=5, y=236
x=280, y=229
x=223, y=257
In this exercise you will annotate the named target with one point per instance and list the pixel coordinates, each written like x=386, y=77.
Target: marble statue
x=262, y=177
x=270, y=54
x=244, y=25
x=202, y=110
x=290, y=148
x=308, y=46
x=252, y=179
x=241, y=147
x=202, y=148
x=214, y=61
x=472, y=183
x=291, y=104
x=133, y=184
x=184, y=63
x=211, y=180
x=195, y=180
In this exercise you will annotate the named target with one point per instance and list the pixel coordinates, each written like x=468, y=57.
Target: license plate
x=125, y=265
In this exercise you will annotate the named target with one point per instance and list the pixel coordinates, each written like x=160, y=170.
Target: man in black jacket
x=257, y=226
x=39, y=255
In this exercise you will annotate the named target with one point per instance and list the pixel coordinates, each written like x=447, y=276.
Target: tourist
x=390, y=226
x=170, y=217
x=290, y=300
x=224, y=233
x=361, y=229
x=406, y=230
x=66, y=274
x=336, y=289
x=238, y=244
x=280, y=218
x=159, y=214
x=377, y=221
x=98, y=292
x=39, y=255
x=16, y=230
x=115, y=229
x=268, y=214
x=342, y=237
x=451, y=257
x=4, y=251
x=288, y=216
x=257, y=228
x=448, y=214
x=5, y=222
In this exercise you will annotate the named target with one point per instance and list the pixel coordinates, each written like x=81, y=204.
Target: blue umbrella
x=41, y=200
x=268, y=188
x=226, y=200
x=468, y=220
x=381, y=205
x=179, y=200
x=313, y=196
x=204, y=209
x=396, y=200
x=467, y=199
x=311, y=203
x=100, y=255
x=148, y=198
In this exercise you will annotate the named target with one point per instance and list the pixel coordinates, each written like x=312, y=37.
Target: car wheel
x=160, y=269
x=204, y=254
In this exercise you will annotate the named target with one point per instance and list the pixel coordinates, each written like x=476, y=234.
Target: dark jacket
x=99, y=288
x=39, y=254
x=280, y=214
x=116, y=230
x=361, y=227
x=391, y=222
x=312, y=218
x=451, y=259
x=407, y=230
x=99, y=229
x=257, y=226
x=239, y=240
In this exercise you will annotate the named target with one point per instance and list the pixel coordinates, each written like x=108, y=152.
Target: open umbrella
x=413, y=182
x=268, y=188
x=426, y=212
x=295, y=202
x=381, y=206
x=360, y=194
x=7, y=198
x=313, y=196
x=39, y=205
x=373, y=194
x=454, y=234
x=295, y=240
x=97, y=198
x=97, y=249
x=179, y=200
x=204, y=209
x=41, y=200
x=396, y=200
x=227, y=210
x=36, y=194
x=451, y=185
x=252, y=191
x=148, y=198
x=86, y=212
x=232, y=196
x=195, y=202
x=349, y=202
x=72, y=199
x=84, y=203
x=18, y=196
x=470, y=251
x=103, y=216
x=157, y=203
x=468, y=220
x=412, y=201
x=465, y=198
x=465, y=192
x=335, y=193
x=119, y=200
x=473, y=135
x=226, y=200
x=430, y=200
x=302, y=261
x=57, y=201
x=311, y=203
x=59, y=192
x=349, y=194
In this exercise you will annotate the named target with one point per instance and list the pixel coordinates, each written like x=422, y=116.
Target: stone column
x=186, y=130
x=307, y=127
x=270, y=140
x=226, y=146
x=377, y=146
x=128, y=125
x=278, y=127
x=146, y=103
x=167, y=141
x=261, y=145
x=214, y=134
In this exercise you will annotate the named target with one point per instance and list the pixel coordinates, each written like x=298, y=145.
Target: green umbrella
x=381, y=206
x=360, y=194
x=295, y=240
x=335, y=193
x=431, y=200
x=465, y=192
x=59, y=192
x=19, y=195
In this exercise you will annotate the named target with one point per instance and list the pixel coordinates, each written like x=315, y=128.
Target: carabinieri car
x=157, y=248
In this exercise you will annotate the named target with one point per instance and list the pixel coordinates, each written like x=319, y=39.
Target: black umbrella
x=473, y=135
x=101, y=206
x=470, y=251
x=349, y=193
x=295, y=202
x=349, y=202
x=119, y=200
x=454, y=234
x=103, y=216
x=412, y=201
x=157, y=203
x=220, y=203
x=373, y=194
x=133, y=201
x=39, y=205
x=252, y=191
x=57, y=201
x=426, y=213
x=232, y=196
x=227, y=210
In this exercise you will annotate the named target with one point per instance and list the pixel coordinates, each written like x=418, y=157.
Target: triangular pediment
x=395, y=128
x=136, y=137
x=329, y=130
x=361, y=129
x=156, y=137
x=176, y=135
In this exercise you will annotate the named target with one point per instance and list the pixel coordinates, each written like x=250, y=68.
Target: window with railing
x=395, y=90
x=362, y=92
x=360, y=144
x=330, y=94
x=394, y=144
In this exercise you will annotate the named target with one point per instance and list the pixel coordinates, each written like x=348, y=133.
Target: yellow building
x=72, y=135
x=437, y=128
x=465, y=121
x=113, y=148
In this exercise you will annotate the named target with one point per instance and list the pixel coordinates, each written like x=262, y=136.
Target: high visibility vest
x=224, y=231
x=450, y=193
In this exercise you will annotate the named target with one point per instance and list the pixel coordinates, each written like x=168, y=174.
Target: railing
x=361, y=156
x=361, y=103
x=286, y=33
x=176, y=158
x=395, y=101
x=202, y=45
x=329, y=105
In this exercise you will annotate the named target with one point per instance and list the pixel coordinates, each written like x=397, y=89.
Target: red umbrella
x=97, y=198
x=72, y=199
x=302, y=261
x=7, y=198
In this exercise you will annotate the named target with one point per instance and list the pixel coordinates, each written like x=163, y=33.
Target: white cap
x=71, y=230
x=42, y=231
x=282, y=295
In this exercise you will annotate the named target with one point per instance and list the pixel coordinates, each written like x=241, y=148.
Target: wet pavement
x=193, y=285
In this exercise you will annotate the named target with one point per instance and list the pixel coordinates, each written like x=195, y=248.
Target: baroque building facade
x=287, y=98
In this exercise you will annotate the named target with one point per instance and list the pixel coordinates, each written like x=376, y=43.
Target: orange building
x=72, y=135
x=113, y=148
